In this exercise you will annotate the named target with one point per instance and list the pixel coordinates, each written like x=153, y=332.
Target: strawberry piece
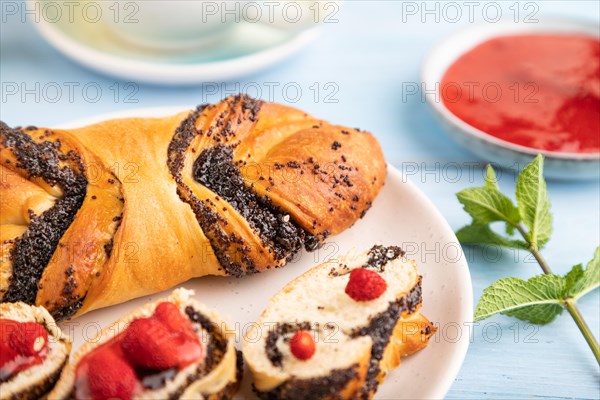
x=302, y=345
x=110, y=377
x=7, y=354
x=7, y=327
x=365, y=284
x=189, y=350
x=29, y=338
x=170, y=315
x=147, y=343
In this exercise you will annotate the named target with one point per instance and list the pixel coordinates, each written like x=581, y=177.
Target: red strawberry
x=29, y=338
x=302, y=345
x=365, y=285
x=7, y=327
x=148, y=343
x=7, y=354
x=170, y=315
x=189, y=350
x=110, y=377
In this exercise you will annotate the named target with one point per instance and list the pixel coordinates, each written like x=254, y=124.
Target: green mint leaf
x=480, y=234
x=487, y=205
x=538, y=300
x=510, y=229
x=533, y=203
x=589, y=278
x=573, y=276
x=538, y=314
x=491, y=182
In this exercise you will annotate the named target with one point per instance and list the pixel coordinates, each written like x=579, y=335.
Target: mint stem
x=583, y=327
x=569, y=304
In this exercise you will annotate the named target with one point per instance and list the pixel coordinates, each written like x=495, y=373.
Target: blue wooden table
x=365, y=67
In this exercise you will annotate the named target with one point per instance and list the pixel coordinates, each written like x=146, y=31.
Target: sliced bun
x=357, y=342
x=217, y=375
x=34, y=382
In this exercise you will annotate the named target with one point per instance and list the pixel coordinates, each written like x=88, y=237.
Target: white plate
x=249, y=48
x=561, y=165
x=401, y=215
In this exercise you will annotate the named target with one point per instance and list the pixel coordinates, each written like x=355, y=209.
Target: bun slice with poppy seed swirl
x=33, y=351
x=336, y=330
x=174, y=348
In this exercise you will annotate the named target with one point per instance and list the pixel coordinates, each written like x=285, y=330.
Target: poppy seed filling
x=380, y=255
x=215, y=169
x=327, y=387
x=273, y=353
x=206, y=217
x=380, y=329
x=34, y=249
x=217, y=346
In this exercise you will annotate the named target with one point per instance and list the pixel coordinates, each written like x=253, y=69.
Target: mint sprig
x=584, y=282
x=537, y=300
x=533, y=203
x=487, y=204
x=541, y=298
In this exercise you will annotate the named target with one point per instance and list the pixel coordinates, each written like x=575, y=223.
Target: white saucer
x=248, y=48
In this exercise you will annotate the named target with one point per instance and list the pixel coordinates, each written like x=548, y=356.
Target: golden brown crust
x=84, y=248
x=230, y=389
x=20, y=195
x=324, y=175
x=43, y=170
x=344, y=172
x=147, y=223
x=411, y=334
x=159, y=244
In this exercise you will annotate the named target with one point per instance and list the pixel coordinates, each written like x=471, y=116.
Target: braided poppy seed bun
x=34, y=382
x=98, y=215
x=357, y=342
x=216, y=375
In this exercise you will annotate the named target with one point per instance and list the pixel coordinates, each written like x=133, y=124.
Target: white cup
x=184, y=24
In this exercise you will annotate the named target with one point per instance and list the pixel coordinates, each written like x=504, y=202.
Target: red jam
x=143, y=357
x=539, y=91
x=24, y=344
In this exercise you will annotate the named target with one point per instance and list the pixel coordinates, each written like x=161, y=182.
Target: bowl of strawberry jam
x=508, y=92
x=146, y=356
